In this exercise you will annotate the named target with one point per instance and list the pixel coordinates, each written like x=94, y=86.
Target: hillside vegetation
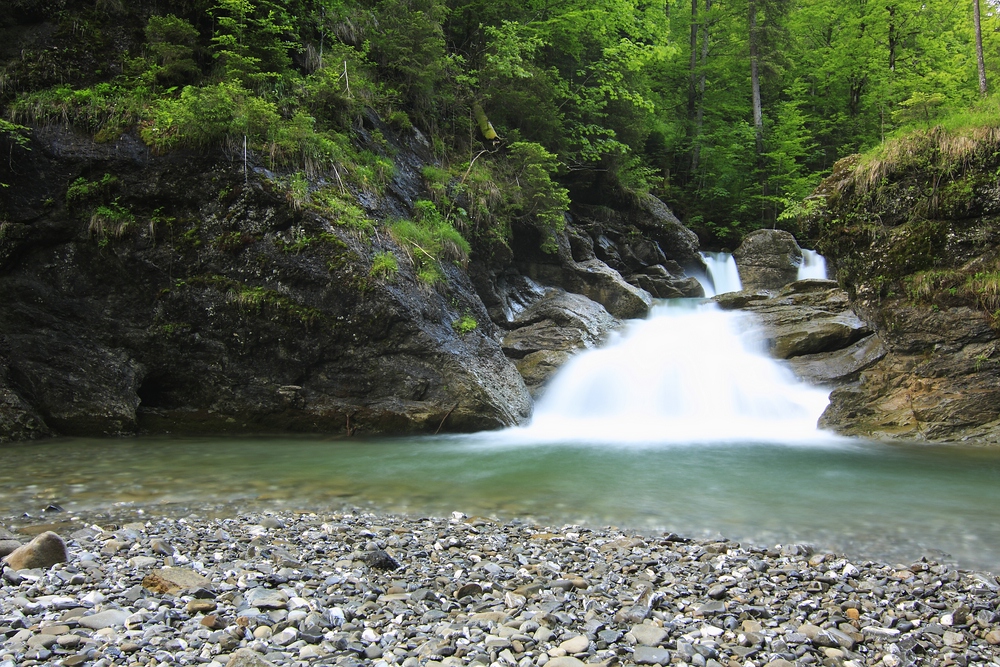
x=527, y=105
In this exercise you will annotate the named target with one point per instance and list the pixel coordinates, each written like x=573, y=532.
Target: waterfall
x=813, y=265
x=723, y=276
x=687, y=374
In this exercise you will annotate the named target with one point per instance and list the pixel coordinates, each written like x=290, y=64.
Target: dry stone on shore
x=309, y=588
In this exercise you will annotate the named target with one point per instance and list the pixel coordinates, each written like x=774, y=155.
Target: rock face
x=810, y=324
x=224, y=309
x=921, y=272
x=620, y=258
x=768, y=259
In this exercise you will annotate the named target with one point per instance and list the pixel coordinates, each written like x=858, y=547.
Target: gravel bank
x=358, y=588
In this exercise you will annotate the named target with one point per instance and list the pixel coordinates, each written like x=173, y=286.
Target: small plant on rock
x=384, y=266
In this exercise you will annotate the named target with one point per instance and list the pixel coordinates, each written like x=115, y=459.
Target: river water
x=679, y=424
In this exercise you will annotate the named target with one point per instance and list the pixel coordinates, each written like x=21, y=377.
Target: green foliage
x=384, y=266
x=584, y=96
x=82, y=191
x=539, y=198
x=465, y=324
x=18, y=134
x=172, y=41
x=105, y=109
x=429, y=239
x=250, y=41
x=111, y=221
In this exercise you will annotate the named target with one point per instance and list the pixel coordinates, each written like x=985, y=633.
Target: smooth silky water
x=680, y=423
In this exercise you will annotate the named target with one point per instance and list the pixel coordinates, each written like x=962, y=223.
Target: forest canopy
x=729, y=110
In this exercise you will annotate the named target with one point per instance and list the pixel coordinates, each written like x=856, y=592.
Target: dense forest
x=731, y=111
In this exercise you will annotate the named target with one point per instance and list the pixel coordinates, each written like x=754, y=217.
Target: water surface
x=894, y=502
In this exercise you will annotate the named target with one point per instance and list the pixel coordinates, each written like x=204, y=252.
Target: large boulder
x=768, y=259
x=595, y=280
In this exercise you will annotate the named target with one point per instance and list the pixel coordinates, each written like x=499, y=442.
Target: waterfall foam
x=688, y=374
x=723, y=276
x=813, y=265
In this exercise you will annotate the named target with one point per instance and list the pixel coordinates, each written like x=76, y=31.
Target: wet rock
x=839, y=366
x=549, y=331
x=597, y=281
x=43, y=551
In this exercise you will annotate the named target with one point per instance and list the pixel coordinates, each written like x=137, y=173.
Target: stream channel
x=679, y=423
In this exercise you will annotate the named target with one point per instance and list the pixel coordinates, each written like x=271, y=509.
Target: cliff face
x=913, y=235
x=222, y=308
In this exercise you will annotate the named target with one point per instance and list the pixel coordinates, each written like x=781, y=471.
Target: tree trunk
x=694, y=60
x=893, y=37
x=700, y=115
x=979, y=48
x=758, y=115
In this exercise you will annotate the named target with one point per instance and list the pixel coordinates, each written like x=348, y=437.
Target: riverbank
x=354, y=587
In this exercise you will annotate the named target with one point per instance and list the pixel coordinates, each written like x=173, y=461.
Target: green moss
x=915, y=246
x=258, y=300
x=339, y=207
x=303, y=241
x=233, y=242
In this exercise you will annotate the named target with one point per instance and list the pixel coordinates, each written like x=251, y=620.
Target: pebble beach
x=354, y=587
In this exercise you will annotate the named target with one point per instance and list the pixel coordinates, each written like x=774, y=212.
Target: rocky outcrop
x=595, y=280
x=914, y=242
x=223, y=308
x=768, y=259
x=810, y=324
x=547, y=333
x=620, y=258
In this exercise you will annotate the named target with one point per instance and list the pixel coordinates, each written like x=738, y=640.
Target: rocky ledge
x=353, y=588
x=809, y=323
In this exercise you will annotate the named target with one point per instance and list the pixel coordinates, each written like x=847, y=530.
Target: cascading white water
x=687, y=374
x=723, y=276
x=813, y=265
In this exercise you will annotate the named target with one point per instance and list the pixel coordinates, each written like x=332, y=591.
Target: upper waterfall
x=723, y=276
x=813, y=265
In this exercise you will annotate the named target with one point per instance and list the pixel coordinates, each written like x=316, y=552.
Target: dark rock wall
x=225, y=310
